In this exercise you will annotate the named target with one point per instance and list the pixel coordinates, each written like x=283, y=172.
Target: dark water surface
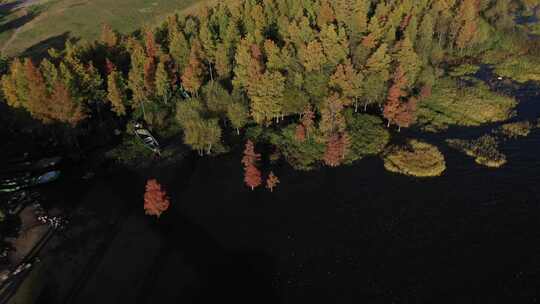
x=349, y=235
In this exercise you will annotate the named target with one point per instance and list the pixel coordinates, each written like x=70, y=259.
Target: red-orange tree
x=156, y=200
x=272, y=181
x=252, y=175
x=395, y=93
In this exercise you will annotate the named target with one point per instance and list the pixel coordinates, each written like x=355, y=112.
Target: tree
x=252, y=176
x=136, y=77
x=377, y=70
x=116, y=94
x=244, y=63
x=337, y=147
x=266, y=93
x=406, y=115
x=300, y=133
x=395, y=93
x=108, y=36
x=326, y=14
x=348, y=81
x=238, y=114
x=223, y=61
x=250, y=156
x=467, y=20
x=332, y=120
x=15, y=85
x=308, y=119
x=163, y=81
x=272, y=181
x=192, y=78
x=63, y=108
x=408, y=60
x=150, y=43
x=38, y=96
x=156, y=200
x=179, y=48
x=335, y=44
x=312, y=56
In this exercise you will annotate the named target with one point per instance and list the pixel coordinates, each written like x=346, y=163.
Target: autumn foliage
x=156, y=200
x=337, y=148
x=272, y=181
x=252, y=176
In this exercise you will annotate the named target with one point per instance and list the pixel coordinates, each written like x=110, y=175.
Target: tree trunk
x=388, y=124
x=210, y=68
x=143, y=112
x=237, y=131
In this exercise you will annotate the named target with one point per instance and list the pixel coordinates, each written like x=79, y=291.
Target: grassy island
x=463, y=102
x=417, y=158
x=485, y=150
x=516, y=129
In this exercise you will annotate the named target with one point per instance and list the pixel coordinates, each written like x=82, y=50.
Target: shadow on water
x=217, y=273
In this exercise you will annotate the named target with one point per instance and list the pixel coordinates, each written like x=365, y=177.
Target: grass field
x=46, y=23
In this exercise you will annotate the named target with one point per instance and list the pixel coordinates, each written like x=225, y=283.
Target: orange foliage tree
x=252, y=175
x=272, y=181
x=395, y=93
x=156, y=200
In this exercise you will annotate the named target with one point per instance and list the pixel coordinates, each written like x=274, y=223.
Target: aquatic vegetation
x=302, y=155
x=368, y=135
x=417, y=158
x=461, y=102
x=485, y=150
x=464, y=69
x=131, y=152
x=516, y=129
x=520, y=68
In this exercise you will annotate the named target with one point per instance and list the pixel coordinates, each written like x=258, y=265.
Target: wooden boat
x=147, y=138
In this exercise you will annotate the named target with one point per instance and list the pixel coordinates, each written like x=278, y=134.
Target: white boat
x=147, y=139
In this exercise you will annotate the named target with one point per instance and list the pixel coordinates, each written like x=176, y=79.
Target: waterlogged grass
x=368, y=135
x=82, y=19
x=520, y=68
x=516, y=129
x=131, y=152
x=417, y=158
x=464, y=103
x=463, y=70
x=485, y=150
x=304, y=155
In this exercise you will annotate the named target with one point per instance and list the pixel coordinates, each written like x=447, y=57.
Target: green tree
x=117, y=92
x=179, y=48
x=238, y=114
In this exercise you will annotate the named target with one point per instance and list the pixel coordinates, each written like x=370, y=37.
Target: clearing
x=32, y=26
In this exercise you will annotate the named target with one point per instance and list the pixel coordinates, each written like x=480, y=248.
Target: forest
x=317, y=82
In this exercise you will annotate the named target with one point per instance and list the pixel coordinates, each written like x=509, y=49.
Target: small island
x=416, y=158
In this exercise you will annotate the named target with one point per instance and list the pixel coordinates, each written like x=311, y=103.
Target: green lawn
x=57, y=19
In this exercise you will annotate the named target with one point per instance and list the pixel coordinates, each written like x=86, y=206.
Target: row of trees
x=267, y=63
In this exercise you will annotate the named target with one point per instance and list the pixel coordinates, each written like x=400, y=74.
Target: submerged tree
x=272, y=181
x=252, y=176
x=156, y=200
